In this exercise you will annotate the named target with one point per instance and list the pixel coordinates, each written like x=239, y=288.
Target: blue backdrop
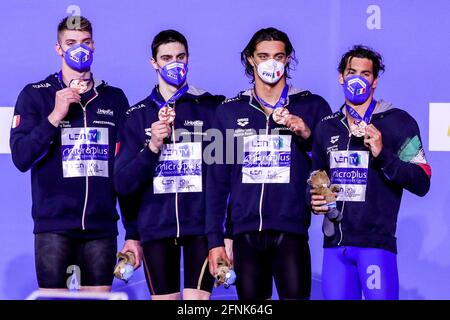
x=411, y=35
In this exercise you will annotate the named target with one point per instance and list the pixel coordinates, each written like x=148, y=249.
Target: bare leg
x=195, y=294
x=170, y=296
x=95, y=288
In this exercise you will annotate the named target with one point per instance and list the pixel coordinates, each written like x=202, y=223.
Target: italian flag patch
x=412, y=151
x=16, y=121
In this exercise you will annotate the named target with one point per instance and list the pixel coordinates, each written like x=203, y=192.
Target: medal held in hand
x=279, y=115
x=358, y=128
x=321, y=184
x=80, y=85
x=166, y=114
x=280, y=112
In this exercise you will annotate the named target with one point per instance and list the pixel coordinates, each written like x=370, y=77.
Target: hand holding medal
x=161, y=129
x=373, y=140
x=358, y=128
x=298, y=126
x=361, y=127
x=357, y=90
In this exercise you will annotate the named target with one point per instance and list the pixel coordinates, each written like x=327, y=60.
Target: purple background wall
x=411, y=35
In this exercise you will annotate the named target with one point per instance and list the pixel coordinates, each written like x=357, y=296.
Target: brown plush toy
x=320, y=182
x=321, y=185
x=222, y=269
x=124, y=268
x=224, y=274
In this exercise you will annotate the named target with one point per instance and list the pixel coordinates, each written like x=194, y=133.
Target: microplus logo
x=353, y=159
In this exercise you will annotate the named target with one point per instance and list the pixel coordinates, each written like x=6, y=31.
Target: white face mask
x=270, y=71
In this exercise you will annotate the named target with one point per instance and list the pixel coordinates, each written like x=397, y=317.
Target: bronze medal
x=166, y=114
x=80, y=85
x=358, y=130
x=279, y=115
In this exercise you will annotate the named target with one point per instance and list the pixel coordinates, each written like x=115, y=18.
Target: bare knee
x=196, y=294
x=95, y=288
x=170, y=296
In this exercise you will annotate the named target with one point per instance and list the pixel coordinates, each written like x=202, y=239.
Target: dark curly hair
x=360, y=51
x=266, y=34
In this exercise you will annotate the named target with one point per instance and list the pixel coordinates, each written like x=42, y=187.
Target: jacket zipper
x=176, y=190
x=343, y=204
x=83, y=224
x=262, y=185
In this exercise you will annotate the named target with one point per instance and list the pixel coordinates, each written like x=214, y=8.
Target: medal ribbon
x=280, y=103
x=161, y=103
x=367, y=114
x=61, y=83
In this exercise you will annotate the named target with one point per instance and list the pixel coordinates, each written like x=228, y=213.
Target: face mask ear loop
x=158, y=71
x=64, y=52
x=160, y=68
x=286, y=65
x=254, y=62
x=255, y=65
